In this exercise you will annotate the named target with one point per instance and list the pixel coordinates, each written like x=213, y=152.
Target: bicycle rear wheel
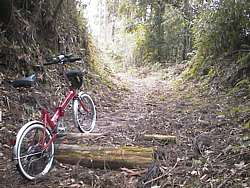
x=32, y=160
x=84, y=113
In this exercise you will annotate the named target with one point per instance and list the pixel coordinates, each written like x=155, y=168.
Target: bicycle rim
x=33, y=161
x=85, y=113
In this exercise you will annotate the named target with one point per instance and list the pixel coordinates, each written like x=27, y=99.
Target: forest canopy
x=172, y=29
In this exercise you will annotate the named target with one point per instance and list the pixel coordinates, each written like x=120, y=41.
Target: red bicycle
x=34, y=148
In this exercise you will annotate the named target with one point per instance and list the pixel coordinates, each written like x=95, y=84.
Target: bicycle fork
x=81, y=104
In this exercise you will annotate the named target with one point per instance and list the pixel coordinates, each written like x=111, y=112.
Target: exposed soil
x=212, y=148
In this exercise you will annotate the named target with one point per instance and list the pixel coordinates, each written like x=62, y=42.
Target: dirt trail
x=125, y=120
x=132, y=106
x=207, y=152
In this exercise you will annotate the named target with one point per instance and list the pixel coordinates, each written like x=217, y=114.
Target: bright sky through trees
x=91, y=14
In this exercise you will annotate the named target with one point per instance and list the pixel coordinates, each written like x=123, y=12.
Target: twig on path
x=234, y=156
x=226, y=179
x=133, y=172
x=163, y=175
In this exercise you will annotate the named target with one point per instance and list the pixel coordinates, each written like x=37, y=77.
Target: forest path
x=208, y=142
x=132, y=108
x=202, y=123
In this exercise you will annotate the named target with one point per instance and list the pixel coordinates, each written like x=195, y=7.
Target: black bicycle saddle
x=25, y=82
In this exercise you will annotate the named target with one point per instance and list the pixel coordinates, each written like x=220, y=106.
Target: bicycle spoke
x=30, y=155
x=85, y=114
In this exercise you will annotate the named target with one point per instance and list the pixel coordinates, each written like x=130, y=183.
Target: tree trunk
x=105, y=157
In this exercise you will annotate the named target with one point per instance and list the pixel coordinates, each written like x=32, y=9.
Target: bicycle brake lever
x=37, y=68
x=68, y=55
x=61, y=57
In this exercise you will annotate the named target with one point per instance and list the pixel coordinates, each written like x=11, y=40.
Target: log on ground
x=105, y=157
x=73, y=137
x=159, y=137
x=84, y=135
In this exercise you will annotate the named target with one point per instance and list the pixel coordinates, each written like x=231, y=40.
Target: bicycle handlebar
x=75, y=59
x=52, y=62
x=63, y=59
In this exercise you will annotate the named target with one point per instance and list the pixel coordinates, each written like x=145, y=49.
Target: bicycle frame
x=59, y=110
x=52, y=122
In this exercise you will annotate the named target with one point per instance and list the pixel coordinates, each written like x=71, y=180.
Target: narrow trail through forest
x=208, y=144
x=207, y=149
x=133, y=106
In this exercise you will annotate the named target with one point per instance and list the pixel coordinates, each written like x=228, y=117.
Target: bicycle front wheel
x=85, y=113
x=33, y=159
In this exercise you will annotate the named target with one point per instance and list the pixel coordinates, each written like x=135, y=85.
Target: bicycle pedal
x=59, y=135
x=61, y=129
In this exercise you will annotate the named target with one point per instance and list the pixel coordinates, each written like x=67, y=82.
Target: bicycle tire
x=84, y=117
x=34, y=154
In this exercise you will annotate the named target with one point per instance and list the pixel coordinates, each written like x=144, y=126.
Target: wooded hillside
x=34, y=30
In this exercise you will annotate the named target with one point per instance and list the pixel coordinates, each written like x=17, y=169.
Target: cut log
x=159, y=137
x=165, y=138
x=105, y=157
x=83, y=135
x=72, y=137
